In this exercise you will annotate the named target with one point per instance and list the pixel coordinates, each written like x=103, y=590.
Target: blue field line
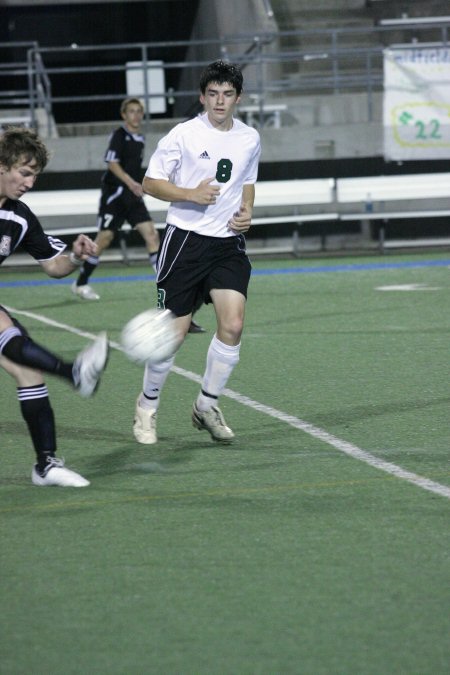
x=356, y=267
x=319, y=269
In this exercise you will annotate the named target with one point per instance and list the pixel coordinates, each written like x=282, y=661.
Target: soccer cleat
x=195, y=328
x=90, y=364
x=56, y=474
x=84, y=292
x=144, y=426
x=213, y=421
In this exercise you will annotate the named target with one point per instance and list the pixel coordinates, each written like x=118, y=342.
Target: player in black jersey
x=22, y=157
x=122, y=197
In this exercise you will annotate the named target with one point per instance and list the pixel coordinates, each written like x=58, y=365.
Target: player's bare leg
x=150, y=235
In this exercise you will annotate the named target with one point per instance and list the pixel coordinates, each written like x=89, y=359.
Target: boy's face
x=219, y=101
x=132, y=116
x=17, y=180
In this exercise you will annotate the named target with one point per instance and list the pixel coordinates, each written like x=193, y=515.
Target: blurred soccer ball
x=150, y=336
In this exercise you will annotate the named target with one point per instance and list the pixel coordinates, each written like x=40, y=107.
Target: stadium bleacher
x=370, y=198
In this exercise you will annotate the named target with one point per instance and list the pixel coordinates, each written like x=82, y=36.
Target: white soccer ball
x=150, y=336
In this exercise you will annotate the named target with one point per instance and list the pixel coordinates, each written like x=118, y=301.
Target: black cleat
x=195, y=328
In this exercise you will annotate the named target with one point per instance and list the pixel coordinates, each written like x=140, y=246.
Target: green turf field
x=316, y=544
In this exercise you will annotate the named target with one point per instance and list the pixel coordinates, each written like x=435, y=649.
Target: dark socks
x=85, y=272
x=38, y=415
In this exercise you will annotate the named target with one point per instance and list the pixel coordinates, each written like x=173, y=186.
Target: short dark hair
x=222, y=72
x=18, y=144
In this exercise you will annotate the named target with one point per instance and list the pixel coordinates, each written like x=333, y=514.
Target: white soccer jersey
x=195, y=150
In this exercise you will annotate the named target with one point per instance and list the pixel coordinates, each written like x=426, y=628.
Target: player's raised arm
x=63, y=265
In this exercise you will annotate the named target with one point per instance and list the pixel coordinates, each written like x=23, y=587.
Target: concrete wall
x=218, y=19
x=318, y=127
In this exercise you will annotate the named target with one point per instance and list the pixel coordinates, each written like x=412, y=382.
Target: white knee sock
x=220, y=362
x=154, y=378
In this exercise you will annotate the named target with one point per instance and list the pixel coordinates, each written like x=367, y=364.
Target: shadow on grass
x=361, y=412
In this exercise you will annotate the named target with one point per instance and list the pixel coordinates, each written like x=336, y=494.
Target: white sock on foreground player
x=220, y=362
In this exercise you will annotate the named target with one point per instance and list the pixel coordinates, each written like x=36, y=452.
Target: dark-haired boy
x=206, y=168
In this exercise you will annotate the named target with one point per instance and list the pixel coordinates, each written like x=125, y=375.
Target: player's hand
x=83, y=247
x=205, y=193
x=241, y=220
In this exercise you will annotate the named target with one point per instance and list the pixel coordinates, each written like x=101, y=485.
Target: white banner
x=416, y=111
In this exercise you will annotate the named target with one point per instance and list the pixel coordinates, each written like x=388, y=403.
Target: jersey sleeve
x=115, y=147
x=252, y=172
x=166, y=159
x=38, y=244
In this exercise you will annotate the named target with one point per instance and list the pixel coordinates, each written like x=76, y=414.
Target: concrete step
x=15, y=117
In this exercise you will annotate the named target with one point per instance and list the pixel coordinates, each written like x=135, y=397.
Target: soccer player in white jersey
x=22, y=157
x=122, y=197
x=206, y=168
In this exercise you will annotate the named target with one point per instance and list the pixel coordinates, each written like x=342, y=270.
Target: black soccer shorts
x=190, y=265
x=119, y=205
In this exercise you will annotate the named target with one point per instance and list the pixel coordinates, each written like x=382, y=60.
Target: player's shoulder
x=245, y=134
x=116, y=136
x=240, y=127
x=186, y=125
x=118, y=132
x=180, y=130
x=20, y=209
x=15, y=210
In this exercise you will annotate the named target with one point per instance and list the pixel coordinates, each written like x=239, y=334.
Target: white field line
x=340, y=445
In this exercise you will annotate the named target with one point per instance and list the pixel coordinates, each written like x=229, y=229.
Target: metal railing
x=14, y=82
x=79, y=83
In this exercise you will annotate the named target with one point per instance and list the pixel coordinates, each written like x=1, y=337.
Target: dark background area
x=97, y=22
x=89, y=24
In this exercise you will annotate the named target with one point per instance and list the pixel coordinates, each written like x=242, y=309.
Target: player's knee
x=231, y=330
x=11, y=342
x=148, y=231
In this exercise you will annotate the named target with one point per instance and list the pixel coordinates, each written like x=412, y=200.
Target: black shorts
x=119, y=205
x=190, y=265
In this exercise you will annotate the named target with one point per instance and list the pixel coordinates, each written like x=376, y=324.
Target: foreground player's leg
x=206, y=414
x=222, y=357
x=90, y=364
x=84, y=373
x=38, y=415
x=144, y=426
